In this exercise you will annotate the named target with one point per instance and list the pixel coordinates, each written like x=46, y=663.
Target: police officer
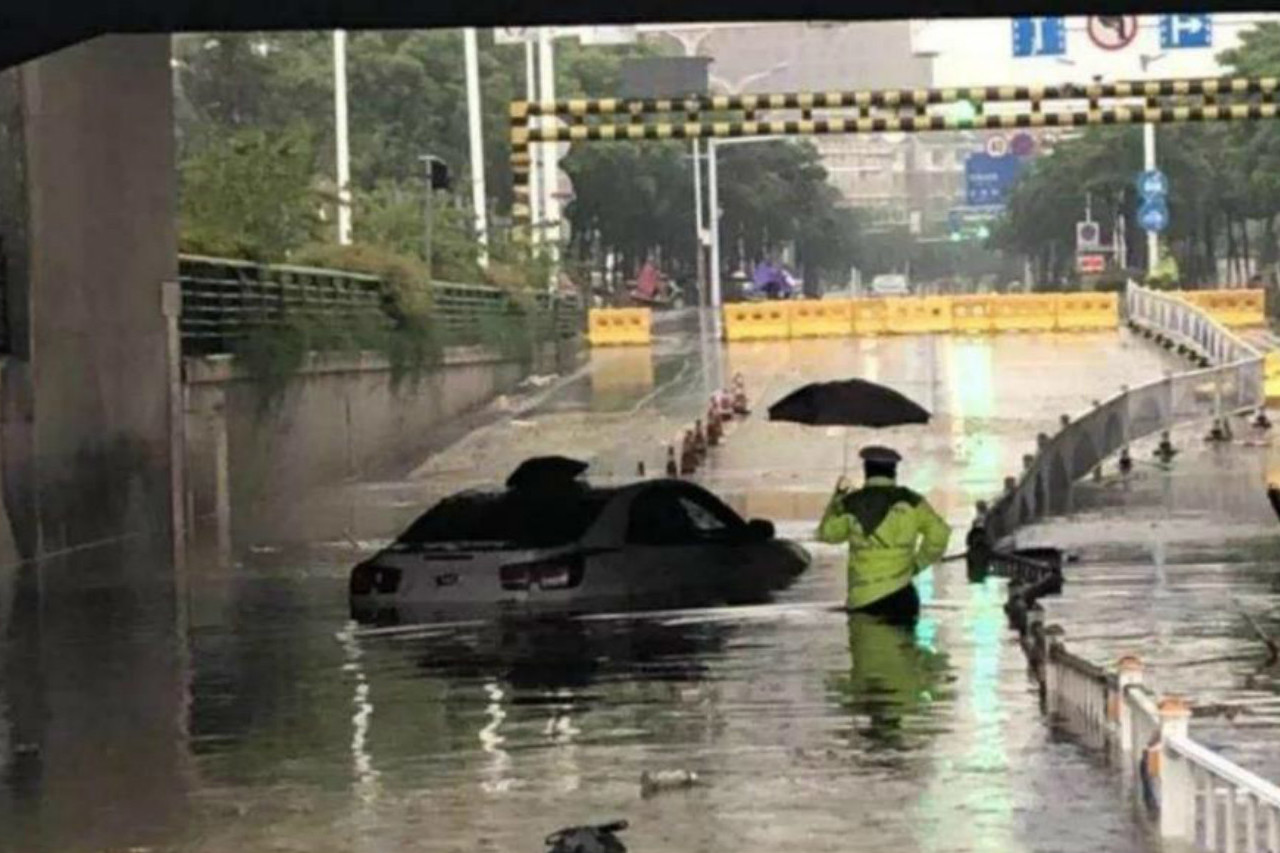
x=893, y=535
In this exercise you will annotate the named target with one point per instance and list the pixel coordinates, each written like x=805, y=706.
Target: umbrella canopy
x=852, y=402
x=545, y=471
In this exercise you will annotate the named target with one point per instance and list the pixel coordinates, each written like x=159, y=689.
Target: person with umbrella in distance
x=893, y=535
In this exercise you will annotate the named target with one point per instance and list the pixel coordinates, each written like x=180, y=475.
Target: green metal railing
x=225, y=300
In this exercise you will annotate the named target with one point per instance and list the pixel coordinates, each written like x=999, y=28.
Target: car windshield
x=514, y=518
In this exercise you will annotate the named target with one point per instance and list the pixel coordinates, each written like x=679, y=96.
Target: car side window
x=702, y=518
x=659, y=517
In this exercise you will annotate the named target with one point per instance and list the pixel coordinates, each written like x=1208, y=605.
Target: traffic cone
x=713, y=426
x=688, y=458
x=699, y=440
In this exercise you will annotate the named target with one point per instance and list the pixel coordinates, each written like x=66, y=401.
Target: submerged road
x=280, y=726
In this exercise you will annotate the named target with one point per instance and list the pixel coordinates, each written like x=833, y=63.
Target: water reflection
x=892, y=677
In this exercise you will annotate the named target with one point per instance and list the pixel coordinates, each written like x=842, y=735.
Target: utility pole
x=550, y=154
x=535, y=181
x=342, y=144
x=478, y=202
x=699, y=223
x=713, y=210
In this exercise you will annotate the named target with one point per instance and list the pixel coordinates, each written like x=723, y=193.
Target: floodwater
x=1180, y=565
x=240, y=709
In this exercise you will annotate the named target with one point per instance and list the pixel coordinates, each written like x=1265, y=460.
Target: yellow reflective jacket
x=893, y=534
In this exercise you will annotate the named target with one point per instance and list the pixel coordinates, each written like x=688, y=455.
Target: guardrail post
x=1053, y=645
x=1177, y=785
x=1129, y=674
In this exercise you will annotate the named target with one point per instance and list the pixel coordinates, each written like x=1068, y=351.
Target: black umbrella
x=546, y=470
x=851, y=402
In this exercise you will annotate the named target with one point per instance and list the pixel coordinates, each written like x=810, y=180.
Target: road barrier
x=1087, y=311
x=757, y=321
x=972, y=314
x=619, y=326
x=821, y=318
x=1231, y=308
x=1271, y=376
x=1024, y=312
x=918, y=314
x=870, y=316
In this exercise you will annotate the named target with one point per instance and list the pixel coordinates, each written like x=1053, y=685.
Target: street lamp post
x=713, y=192
x=476, y=145
x=713, y=188
x=342, y=147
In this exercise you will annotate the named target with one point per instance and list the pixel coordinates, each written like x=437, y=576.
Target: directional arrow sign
x=1153, y=215
x=1153, y=184
x=1046, y=36
x=1179, y=31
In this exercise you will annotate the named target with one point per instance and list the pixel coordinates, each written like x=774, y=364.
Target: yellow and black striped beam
x=619, y=131
x=885, y=111
x=1204, y=87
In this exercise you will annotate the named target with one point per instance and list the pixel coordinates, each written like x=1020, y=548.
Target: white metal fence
x=1200, y=797
x=1233, y=384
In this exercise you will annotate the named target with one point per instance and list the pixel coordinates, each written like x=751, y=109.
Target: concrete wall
x=340, y=420
x=88, y=193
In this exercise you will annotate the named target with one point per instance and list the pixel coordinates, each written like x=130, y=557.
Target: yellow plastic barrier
x=1025, y=312
x=757, y=321
x=1231, y=307
x=916, y=314
x=614, y=326
x=1271, y=380
x=972, y=313
x=870, y=316
x=821, y=318
x=1080, y=311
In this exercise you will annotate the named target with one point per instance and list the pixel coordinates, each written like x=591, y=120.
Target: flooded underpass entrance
x=289, y=728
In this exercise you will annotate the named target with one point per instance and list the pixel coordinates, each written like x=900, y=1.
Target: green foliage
x=249, y=195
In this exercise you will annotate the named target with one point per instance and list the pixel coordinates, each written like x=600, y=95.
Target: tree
x=250, y=195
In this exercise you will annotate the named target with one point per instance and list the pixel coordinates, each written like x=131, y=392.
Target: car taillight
x=515, y=576
x=555, y=573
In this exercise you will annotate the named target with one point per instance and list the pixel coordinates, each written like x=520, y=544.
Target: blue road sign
x=1178, y=31
x=1044, y=36
x=987, y=179
x=1153, y=184
x=1153, y=215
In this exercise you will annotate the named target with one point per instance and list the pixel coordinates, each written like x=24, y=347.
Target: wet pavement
x=242, y=710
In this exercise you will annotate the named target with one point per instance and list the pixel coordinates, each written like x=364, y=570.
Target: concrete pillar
x=89, y=190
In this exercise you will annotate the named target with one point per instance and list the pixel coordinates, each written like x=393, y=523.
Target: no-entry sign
x=1113, y=32
x=1091, y=263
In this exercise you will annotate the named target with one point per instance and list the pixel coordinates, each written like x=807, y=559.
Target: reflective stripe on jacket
x=893, y=534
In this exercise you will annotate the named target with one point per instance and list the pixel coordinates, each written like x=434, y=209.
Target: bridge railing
x=225, y=300
x=1235, y=383
x=1199, y=797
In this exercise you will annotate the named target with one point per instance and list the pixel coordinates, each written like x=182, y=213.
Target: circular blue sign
x=1153, y=184
x=1153, y=215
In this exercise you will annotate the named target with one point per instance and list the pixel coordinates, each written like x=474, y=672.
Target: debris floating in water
x=666, y=780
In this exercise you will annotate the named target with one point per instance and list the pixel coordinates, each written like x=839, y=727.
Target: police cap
x=883, y=455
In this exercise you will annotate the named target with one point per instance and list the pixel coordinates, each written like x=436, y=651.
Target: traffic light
x=440, y=177
x=966, y=112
